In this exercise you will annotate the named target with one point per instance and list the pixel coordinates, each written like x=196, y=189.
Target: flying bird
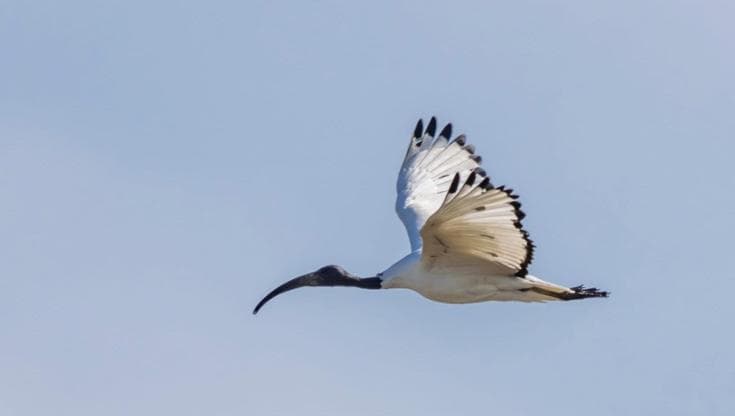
x=467, y=241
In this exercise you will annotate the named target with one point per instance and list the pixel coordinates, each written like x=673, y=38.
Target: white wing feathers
x=478, y=223
x=427, y=172
x=472, y=223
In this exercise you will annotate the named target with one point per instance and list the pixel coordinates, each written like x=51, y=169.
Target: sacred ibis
x=467, y=242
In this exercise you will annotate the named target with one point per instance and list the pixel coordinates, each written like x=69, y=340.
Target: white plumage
x=467, y=241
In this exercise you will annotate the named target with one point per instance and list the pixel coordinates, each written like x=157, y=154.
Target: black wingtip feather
x=461, y=140
x=455, y=184
x=485, y=184
x=431, y=128
x=471, y=179
x=446, y=131
x=519, y=212
x=419, y=130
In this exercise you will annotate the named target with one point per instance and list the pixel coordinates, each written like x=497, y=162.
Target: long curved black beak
x=315, y=279
x=309, y=279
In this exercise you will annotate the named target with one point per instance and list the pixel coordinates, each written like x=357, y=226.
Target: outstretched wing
x=427, y=172
x=478, y=223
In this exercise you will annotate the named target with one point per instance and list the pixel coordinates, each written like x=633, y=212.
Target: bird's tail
x=550, y=291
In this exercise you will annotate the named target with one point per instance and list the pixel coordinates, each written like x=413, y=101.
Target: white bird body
x=467, y=242
x=463, y=283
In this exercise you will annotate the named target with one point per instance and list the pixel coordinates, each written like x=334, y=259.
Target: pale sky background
x=164, y=165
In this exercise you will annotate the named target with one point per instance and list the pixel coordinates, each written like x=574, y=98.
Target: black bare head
x=331, y=275
x=332, y=271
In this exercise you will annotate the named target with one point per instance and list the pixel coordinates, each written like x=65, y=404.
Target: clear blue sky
x=164, y=165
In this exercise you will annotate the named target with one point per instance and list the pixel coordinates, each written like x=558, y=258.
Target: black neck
x=365, y=283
